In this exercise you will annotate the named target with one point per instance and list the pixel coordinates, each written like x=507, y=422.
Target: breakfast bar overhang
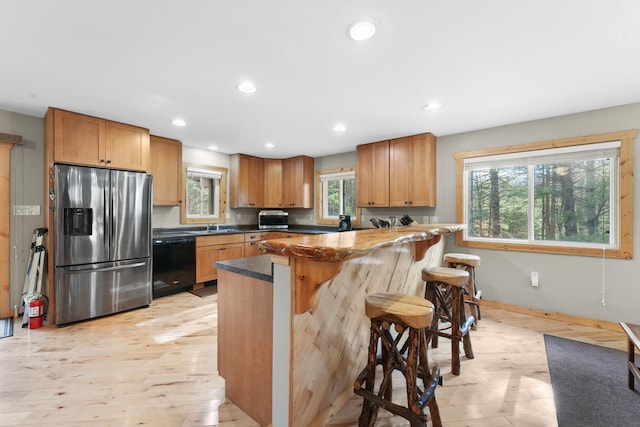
x=319, y=327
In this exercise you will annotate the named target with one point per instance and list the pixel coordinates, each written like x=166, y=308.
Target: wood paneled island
x=319, y=329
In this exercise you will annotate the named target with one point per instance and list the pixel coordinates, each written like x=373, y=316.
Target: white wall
x=573, y=285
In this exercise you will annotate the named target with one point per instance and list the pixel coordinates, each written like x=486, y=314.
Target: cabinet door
x=273, y=183
x=251, y=248
x=372, y=177
x=127, y=147
x=400, y=172
x=78, y=139
x=206, y=257
x=412, y=171
x=231, y=251
x=297, y=182
x=247, y=181
x=423, y=189
x=166, y=162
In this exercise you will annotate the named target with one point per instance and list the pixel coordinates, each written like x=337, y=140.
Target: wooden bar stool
x=410, y=314
x=468, y=263
x=444, y=287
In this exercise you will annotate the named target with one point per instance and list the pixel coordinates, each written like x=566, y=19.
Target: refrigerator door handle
x=105, y=219
x=114, y=268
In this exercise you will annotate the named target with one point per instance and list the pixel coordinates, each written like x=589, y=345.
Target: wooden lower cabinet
x=210, y=249
x=245, y=343
x=251, y=241
x=287, y=235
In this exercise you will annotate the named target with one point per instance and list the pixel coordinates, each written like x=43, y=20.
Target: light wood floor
x=157, y=366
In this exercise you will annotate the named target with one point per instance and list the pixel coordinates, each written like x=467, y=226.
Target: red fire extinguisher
x=36, y=313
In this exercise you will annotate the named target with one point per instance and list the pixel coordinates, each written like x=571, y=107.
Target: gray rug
x=590, y=385
x=6, y=327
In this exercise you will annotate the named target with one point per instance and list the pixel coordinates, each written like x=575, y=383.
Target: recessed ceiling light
x=362, y=30
x=246, y=87
x=433, y=106
x=269, y=145
x=339, y=127
x=178, y=122
x=213, y=147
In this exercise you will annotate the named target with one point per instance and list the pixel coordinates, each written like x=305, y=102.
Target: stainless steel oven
x=273, y=219
x=174, y=265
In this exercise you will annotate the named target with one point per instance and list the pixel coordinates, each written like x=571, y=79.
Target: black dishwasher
x=174, y=265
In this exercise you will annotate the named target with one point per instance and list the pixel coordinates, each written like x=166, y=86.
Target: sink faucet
x=212, y=224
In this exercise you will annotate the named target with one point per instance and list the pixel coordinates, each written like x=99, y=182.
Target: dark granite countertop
x=259, y=267
x=164, y=233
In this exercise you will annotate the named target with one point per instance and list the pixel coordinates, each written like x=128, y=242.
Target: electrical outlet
x=434, y=220
x=535, y=279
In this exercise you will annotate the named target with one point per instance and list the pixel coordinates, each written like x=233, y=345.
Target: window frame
x=624, y=250
x=222, y=195
x=321, y=203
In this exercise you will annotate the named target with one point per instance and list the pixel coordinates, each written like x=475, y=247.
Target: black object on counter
x=345, y=223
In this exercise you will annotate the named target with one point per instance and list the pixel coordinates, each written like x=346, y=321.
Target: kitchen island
x=319, y=331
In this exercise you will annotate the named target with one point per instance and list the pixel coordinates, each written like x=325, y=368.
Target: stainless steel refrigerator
x=102, y=242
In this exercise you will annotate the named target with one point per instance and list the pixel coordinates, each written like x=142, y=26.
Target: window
x=567, y=196
x=204, y=194
x=337, y=195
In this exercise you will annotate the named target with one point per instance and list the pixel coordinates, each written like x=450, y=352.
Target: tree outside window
x=204, y=194
x=566, y=196
x=336, y=195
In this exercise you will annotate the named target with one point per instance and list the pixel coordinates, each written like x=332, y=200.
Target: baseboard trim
x=601, y=324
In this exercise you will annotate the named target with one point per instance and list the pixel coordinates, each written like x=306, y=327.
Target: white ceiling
x=146, y=62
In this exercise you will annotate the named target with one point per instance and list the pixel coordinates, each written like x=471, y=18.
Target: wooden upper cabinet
x=166, y=164
x=412, y=171
x=273, y=183
x=127, y=147
x=297, y=182
x=247, y=181
x=372, y=174
x=78, y=138
x=92, y=141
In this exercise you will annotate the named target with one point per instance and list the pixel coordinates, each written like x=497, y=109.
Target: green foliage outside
x=571, y=202
x=341, y=197
x=200, y=201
